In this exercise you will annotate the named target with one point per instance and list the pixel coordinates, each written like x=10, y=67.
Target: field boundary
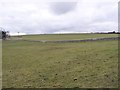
x=81, y=40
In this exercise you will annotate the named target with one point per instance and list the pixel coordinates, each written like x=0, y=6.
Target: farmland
x=39, y=65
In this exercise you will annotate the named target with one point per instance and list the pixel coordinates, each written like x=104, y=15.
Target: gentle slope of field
x=66, y=36
x=86, y=64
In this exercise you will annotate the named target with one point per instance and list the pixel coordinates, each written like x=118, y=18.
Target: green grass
x=35, y=65
x=66, y=36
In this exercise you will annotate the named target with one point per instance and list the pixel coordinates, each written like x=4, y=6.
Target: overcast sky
x=58, y=16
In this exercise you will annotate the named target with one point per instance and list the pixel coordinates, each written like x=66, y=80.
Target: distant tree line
x=108, y=32
x=113, y=32
x=4, y=35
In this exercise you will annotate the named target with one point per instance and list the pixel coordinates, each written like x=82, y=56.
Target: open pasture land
x=37, y=65
x=66, y=36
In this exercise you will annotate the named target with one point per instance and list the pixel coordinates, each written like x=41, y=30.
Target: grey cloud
x=62, y=7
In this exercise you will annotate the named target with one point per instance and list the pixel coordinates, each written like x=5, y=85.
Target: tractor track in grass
x=65, y=41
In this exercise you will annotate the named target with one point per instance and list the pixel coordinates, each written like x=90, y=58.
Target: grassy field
x=66, y=36
x=38, y=65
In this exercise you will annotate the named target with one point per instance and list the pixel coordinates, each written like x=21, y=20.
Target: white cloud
x=43, y=16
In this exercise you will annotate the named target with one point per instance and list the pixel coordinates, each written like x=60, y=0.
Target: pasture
x=65, y=36
x=55, y=65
